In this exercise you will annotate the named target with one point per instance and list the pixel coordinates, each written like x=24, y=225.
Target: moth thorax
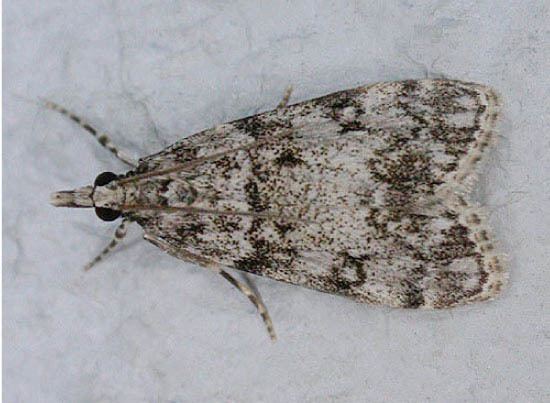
x=177, y=192
x=108, y=196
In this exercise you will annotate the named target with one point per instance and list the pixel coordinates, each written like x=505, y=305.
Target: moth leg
x=202, y=261
x=255, y=299
x=286, y=98
x=102, y=138
x=120, y=233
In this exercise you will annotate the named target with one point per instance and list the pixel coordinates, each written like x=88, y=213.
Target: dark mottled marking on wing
x=405, y=174
x=414, y=296
x=284, y=228
x=456, y=244
x=289, y=157
x=228, y=224
x=412, y=287
x=190, y=229
x=355, y=263
x=253, y=196
x=261, y=257
x=337, y=102
x=353, y=126
x=260, y=125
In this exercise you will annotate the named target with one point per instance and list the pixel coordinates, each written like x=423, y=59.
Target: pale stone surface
x=144, y=327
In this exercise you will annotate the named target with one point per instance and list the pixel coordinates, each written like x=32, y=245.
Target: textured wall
x=144, y=327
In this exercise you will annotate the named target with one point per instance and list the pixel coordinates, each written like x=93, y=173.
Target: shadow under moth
x=363, y=193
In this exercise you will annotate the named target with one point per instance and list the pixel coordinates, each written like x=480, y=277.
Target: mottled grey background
x=144, y=327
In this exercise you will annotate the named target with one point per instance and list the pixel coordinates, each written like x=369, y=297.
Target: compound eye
x=107, y=214
x=104, y=178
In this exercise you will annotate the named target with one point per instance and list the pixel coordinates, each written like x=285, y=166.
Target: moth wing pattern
x=362, y=193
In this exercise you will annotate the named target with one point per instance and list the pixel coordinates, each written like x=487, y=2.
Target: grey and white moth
x=363, y=193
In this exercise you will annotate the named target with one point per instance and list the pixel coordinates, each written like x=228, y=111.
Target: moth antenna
x=120, y=233
x=102, y=138
x=256, y=300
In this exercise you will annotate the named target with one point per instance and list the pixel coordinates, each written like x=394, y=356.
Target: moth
x=363, y=193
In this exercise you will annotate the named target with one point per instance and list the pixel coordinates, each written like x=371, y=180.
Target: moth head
x=84, y=197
